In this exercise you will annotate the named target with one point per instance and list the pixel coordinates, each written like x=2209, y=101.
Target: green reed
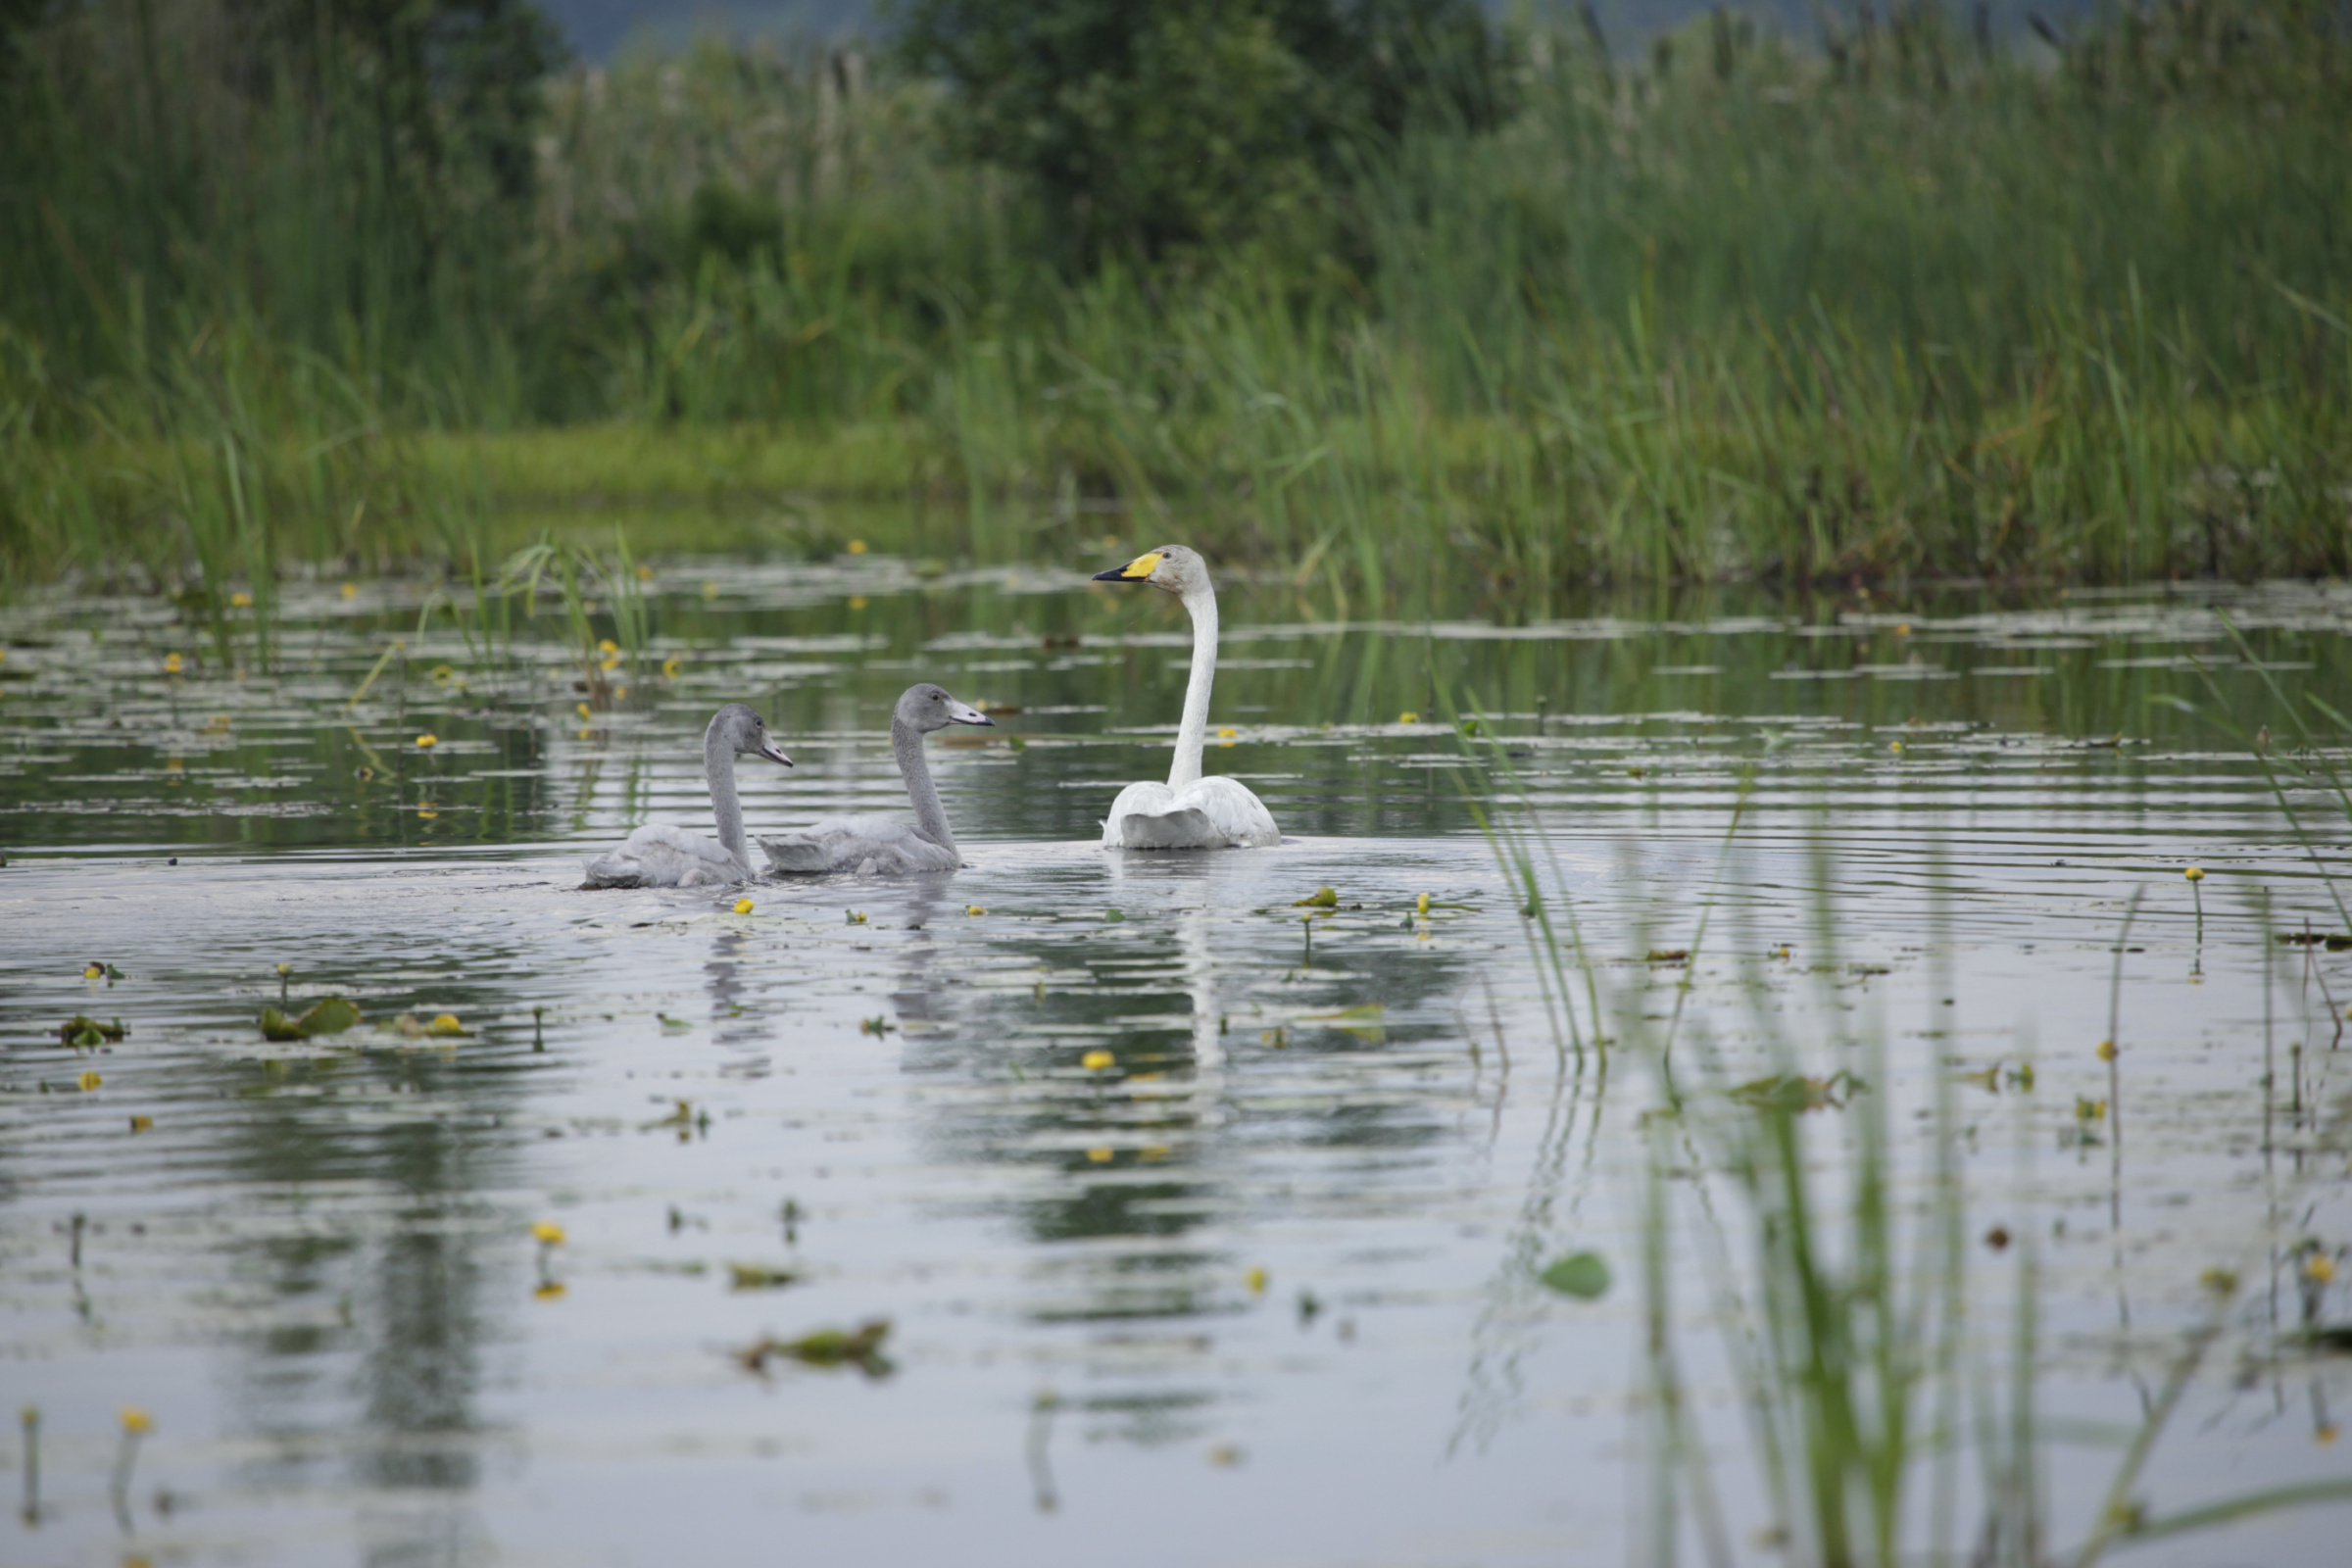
x=1895, y=304
x=1831, y=1230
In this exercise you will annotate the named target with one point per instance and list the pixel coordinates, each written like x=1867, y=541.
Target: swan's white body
x=886, y=846
x=661, y=856
x=1188, y=811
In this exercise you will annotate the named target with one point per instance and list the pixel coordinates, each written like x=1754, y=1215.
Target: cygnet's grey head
x=1178, y=569
x=744, y=733
x=925, y=707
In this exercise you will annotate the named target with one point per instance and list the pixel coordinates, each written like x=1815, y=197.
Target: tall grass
x=1894, y=305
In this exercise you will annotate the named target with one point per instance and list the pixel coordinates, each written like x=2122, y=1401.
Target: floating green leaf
x=860, y=1347
x=1582, y=1275
x=758, y=1277
x=85, y=1032
x=330, y=1015
x=1788, y=1091
x=1320, y=899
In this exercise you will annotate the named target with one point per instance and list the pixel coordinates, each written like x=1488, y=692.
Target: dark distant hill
x=597, y=27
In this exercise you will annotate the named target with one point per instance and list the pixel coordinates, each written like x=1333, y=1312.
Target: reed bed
x=1895, y=302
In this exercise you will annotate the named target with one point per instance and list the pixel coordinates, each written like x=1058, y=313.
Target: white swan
x=1188, y=811
x=885, y=844
x=659, y=856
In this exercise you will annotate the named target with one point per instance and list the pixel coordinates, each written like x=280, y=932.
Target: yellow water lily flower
x=136, y=1421
x=445, y=1023
x=1258, y=1280
x=2106, y=1051
x=89, y=1081
x=2318, y=1267
x=743, y=906
x=2196, y=873
x=1097, y=1061
x=547, y=1233
x=429, y=741
x=1100, y=1156
x=1421, y=904
x=857, y=601
x=240, y=601
x=172, y=664
x=669, y=668
x=975, y=909
x=1409, y=716
x=351, y=590
x=143, y=1124
x=857, y=547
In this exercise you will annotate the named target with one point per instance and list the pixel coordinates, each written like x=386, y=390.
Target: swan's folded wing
x=1233, y=810
x=866, y=844
x=661, y=856
x=1135, y=804
x=1208, y=813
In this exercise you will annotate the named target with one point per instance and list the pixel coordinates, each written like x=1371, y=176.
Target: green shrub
x=1148, y=128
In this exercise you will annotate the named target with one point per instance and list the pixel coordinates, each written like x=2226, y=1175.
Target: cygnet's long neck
x=719, y=766
x=1200, y=603
x=930, y=818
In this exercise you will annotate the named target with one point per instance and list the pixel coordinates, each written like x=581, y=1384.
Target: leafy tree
x=1148, y=128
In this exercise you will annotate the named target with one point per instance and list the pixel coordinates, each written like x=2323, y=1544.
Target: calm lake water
x=1261, y=1290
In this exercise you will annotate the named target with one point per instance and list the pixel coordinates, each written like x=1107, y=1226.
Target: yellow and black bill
x=1139, y=569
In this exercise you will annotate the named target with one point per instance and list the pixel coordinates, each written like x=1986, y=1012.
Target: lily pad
x=330, y=1015
x=758, y=1277
x=860, y=1347
x=1320, y=899
x=1788, y=1091
x=1582, y=1275
x=84, y=1032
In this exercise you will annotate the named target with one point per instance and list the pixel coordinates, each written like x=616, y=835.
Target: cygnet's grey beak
x=959, y=714
x=773, y=753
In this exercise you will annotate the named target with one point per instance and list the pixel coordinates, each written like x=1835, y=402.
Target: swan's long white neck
x=1200, y=603
x=930, y=818
x=719, y=766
